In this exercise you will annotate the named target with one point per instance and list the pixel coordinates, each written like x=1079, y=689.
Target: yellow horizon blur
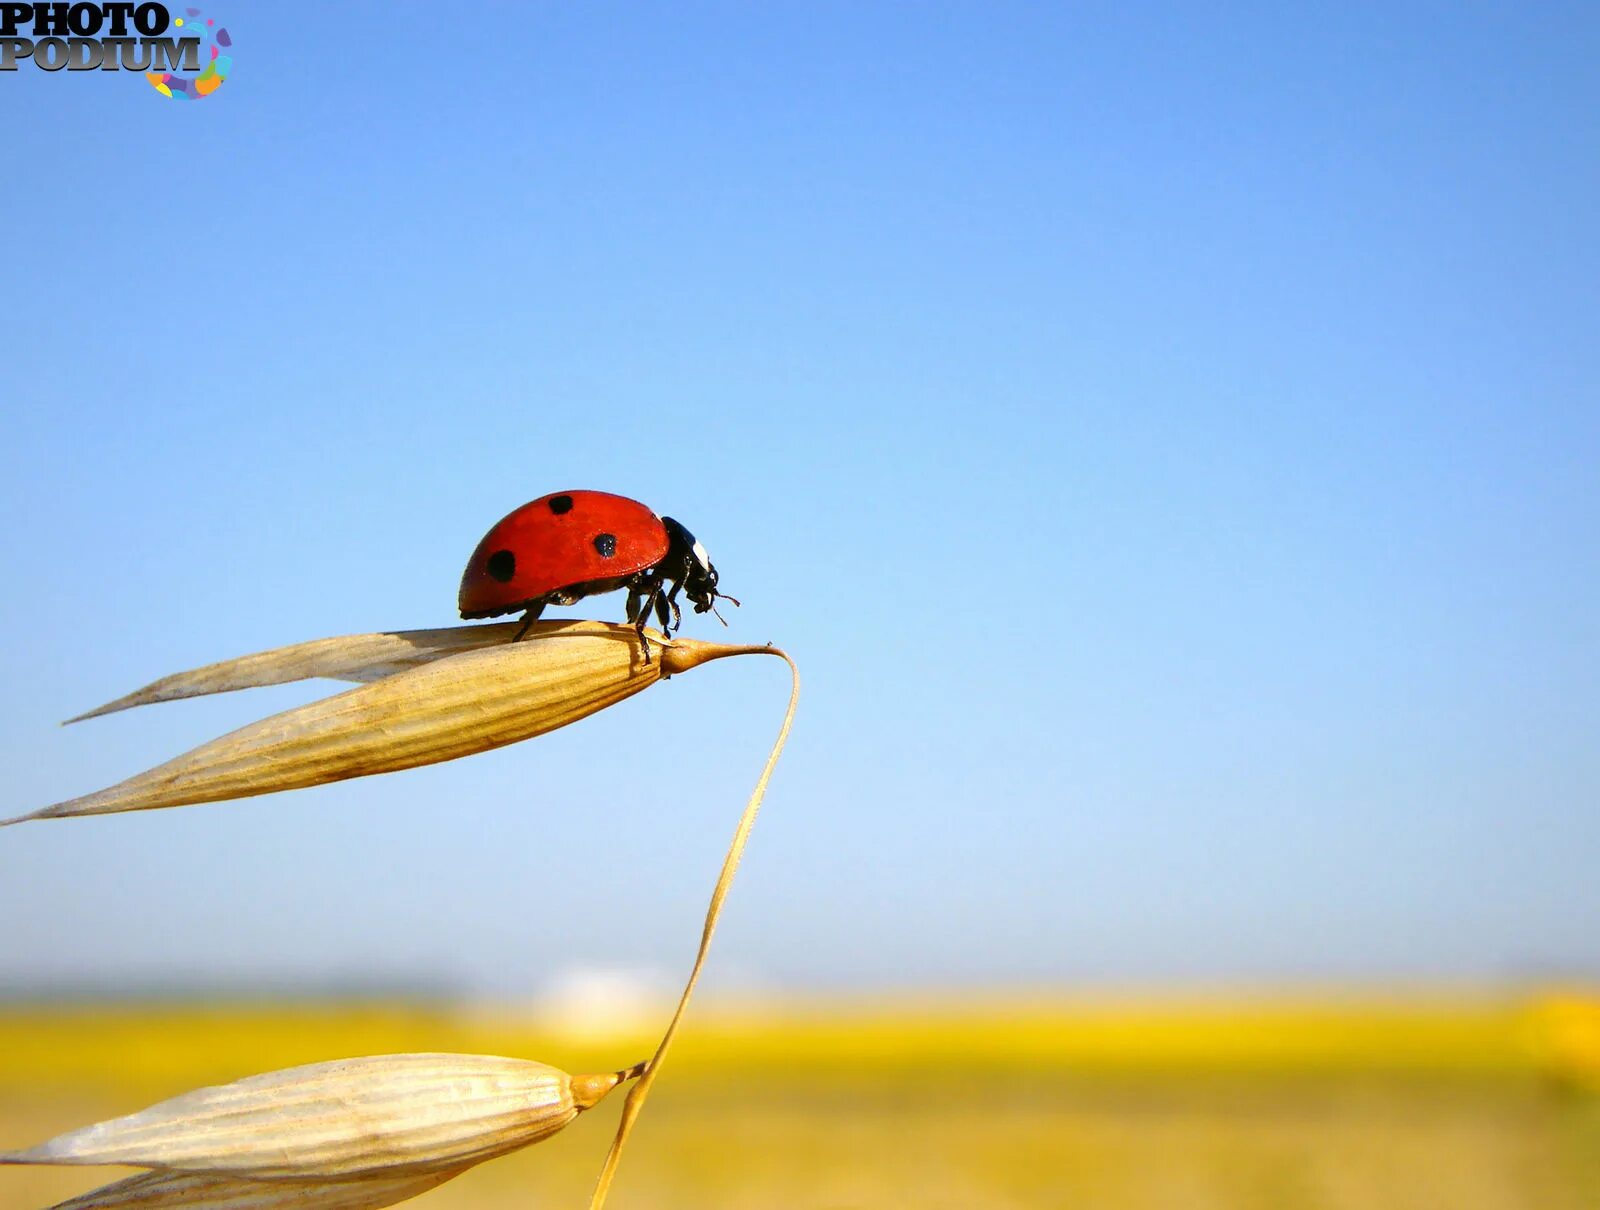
x=1355, y=1098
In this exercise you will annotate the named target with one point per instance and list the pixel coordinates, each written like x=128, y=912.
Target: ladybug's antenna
x=713, y=603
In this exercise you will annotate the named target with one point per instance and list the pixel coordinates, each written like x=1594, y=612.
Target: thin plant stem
x=637, y=1094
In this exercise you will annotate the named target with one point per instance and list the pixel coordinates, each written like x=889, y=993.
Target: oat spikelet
x=449, y=707
x=389, y=1115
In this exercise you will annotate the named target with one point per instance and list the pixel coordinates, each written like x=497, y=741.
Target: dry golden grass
x=1325, y=1106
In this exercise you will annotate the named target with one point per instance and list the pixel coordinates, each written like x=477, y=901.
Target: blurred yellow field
x=1318, y=1104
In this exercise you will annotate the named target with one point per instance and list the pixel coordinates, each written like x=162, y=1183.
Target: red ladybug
x=560, y=548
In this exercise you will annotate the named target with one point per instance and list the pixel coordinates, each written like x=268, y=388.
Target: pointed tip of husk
x=53, y=811
x=100, y=711
x=122, y=703
x=685, y=654
x=40, y=1153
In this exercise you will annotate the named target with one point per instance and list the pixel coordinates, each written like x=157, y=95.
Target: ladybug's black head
x=692, y=567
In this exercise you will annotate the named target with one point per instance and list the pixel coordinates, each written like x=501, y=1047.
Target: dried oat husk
x=389, y=1115
x=159, y=1190
x=455, y=704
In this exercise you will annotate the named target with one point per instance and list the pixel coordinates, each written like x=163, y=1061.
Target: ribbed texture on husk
x=156, y=1190
x=388, y=1115
x=450, y=707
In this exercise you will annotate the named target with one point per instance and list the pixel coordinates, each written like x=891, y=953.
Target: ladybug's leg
x=633, y=602
x=677, y=614
x=651, y=597
x=528, y=619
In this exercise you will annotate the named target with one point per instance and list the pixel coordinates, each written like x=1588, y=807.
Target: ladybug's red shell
x=566, y=540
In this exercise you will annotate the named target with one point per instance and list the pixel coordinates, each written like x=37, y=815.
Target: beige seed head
x=390, y=1115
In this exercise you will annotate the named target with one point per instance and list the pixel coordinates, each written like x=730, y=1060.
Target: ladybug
x=563, y=547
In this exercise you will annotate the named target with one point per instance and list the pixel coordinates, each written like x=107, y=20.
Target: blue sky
x=1167, y=439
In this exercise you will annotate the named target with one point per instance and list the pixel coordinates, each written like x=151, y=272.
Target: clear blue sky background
x=1168, y=439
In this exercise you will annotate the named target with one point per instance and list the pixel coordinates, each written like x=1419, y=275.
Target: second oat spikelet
x=384, y=1116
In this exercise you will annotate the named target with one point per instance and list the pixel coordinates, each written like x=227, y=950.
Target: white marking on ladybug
x=700, y=554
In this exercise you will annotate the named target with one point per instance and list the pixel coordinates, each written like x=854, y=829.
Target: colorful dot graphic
x=216, y=42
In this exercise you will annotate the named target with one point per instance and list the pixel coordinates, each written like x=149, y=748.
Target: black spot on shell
x=560, y=504
x=606, y=544
x=503, y=565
